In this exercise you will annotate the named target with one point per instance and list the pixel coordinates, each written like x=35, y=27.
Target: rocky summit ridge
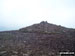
x=45, y=27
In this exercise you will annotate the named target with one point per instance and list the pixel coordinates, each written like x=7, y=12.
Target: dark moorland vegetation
x=43, y=39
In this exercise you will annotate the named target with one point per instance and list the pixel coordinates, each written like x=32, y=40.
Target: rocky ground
x=42, y=39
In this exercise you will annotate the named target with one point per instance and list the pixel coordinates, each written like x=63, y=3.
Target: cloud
x=20, y=13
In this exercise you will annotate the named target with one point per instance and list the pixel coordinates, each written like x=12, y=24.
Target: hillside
x=42, y=39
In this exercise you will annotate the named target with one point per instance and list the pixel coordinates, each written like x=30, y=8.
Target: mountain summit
x=45, y=27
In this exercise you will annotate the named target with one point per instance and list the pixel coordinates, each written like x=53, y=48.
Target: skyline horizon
x=12, y=29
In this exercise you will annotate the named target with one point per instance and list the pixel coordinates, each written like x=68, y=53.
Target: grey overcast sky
x=15, y=14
